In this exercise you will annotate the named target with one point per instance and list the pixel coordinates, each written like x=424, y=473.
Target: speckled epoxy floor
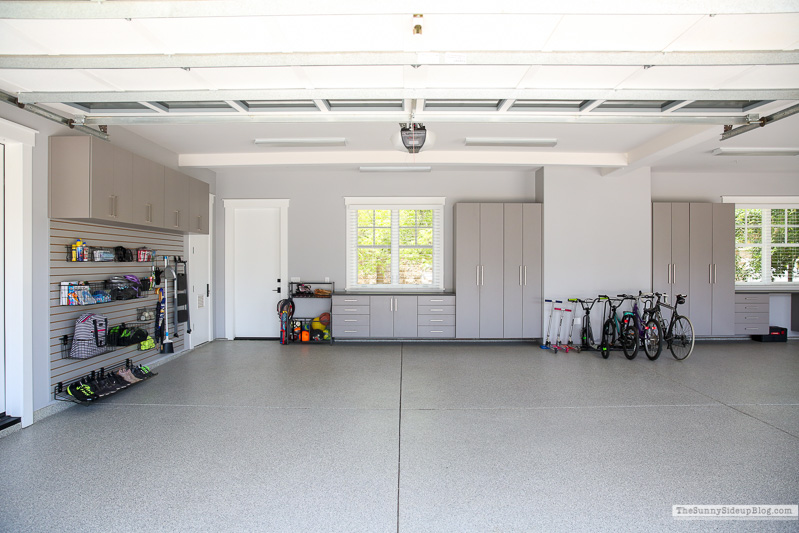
x=252, y=436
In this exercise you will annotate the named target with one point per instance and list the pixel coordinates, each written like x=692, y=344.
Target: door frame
x=210, y=266
x=19, y=142
x=230, y=206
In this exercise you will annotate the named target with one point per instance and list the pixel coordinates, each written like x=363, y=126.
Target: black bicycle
x=678, y=336
x=619, y=330
x=586, y=333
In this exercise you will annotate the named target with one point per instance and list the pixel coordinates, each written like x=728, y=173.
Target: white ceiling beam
x=462, y=157
x=427, y=117
x=361, y=93
x=118, y=9
x=672, y=142
x=364, y=58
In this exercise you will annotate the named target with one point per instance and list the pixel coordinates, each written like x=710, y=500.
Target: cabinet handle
x=116, y=206
x=396, y=304
x=525, y=275
x=350, y=320
x=350, y=331
x=715, y=274
x=436, y=320
x=668, y=274
x=436, y=300
x=482, y=275
x=477, y=272
x=436, y=331
x=111, y=205
x=177, y=221
x=520, y=275
x=433, y=310
x=350, y=300
x=350, y=310
x=199, y=221
x=674, y=273
x=710, y=273
x=746, y=298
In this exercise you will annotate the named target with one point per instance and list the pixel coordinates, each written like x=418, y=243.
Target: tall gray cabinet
x=693, y=253
x=671, y=260
x=494, y=245
x=713, y=269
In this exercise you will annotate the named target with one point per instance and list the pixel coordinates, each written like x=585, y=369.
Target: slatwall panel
x=62, y=318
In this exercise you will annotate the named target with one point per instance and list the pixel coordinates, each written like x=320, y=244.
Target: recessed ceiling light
x=303, y=141
x=510, y=141
x=756, y=151
x=396, y=169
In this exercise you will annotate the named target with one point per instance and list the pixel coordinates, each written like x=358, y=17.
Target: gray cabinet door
x=176, y=200
x=198, y=209
x=661, y=248
x=532, y=293
x=491, y=271
x=381, y=316
x=147, y=204
x=102, y=179
x=467, y=269
x=123, y=185
x=723, y=269
x=405, y=316
x=513, y=272
x=700, y=295
x=681, y=254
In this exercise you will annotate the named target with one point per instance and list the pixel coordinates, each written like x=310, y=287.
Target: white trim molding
x=230, y=206
x=19, y=142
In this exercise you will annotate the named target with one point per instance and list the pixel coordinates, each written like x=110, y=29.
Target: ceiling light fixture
x=510, y=141
x=396, y=169
x=756, y=151
x=302, y=141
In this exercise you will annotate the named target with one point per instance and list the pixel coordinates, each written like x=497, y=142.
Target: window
x=766, y=245
x=395, y=243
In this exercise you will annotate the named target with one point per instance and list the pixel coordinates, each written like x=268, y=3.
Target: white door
x=200, y=284
x=256, y=271
x=3, y=277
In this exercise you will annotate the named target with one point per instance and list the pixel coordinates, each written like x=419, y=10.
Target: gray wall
x=316, y=228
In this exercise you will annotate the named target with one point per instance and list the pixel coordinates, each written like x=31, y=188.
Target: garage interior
x=274, y=125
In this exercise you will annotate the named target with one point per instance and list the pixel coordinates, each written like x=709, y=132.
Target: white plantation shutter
x=354, y=204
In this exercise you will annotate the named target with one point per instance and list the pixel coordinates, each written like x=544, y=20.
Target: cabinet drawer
x=435, y=320
x=437, y=300
x=350, y=320
x=350, y=310
x=437, y=332
x=751, y=318
x=345, y=299
x=751, y=308
x=436, y=310
x=751, y=329
x=350, y=331
x=751, y=297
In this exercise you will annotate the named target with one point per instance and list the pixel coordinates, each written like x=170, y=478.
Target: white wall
x=706, y=187
x=597, y=232
x=316, y=224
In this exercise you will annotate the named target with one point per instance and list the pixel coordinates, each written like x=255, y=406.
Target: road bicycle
x=647, y=326
x=678, y=336
x=619, y=330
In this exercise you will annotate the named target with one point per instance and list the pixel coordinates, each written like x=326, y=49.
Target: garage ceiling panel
x=471, y=76
x=85, y=36
x=347, y=77
x=53, y=80
x=705, y=77
x=492, y=32
x=576, y=77
x=741, y=32
x=251, y=77
x=633, y=33
x=766, y=77
x=215, y=34
x=141, y=79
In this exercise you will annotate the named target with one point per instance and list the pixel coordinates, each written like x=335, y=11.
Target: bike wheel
x=608, y=337
x=653, y=340
x=682, y=338
x=629, y=338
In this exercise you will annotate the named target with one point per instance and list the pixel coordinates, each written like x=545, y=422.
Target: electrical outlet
x=295, y=280
x=327, y=280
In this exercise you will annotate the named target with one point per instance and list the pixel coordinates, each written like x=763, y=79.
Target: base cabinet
x=389, y=316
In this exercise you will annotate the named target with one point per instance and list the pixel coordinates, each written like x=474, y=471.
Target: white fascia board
x=672, y=142
x=360, y=158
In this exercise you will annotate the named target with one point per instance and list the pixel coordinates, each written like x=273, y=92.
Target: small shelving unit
x=60, y=389
x=311, y=299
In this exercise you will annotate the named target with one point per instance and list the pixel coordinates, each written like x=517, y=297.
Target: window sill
x=773, y=288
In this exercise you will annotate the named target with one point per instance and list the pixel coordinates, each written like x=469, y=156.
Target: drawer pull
x=350, y=331
x=751, y=318
x=439, y=310
x=351, y=310
x=436, y=320
x=350, y=320
x=350, y=300
x=436, y=331
x=747, y=298
x=436, y=300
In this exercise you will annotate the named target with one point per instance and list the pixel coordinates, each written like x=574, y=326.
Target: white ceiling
x=57, y=52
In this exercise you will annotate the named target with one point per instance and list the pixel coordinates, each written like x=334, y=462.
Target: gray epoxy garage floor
x=254, y=436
